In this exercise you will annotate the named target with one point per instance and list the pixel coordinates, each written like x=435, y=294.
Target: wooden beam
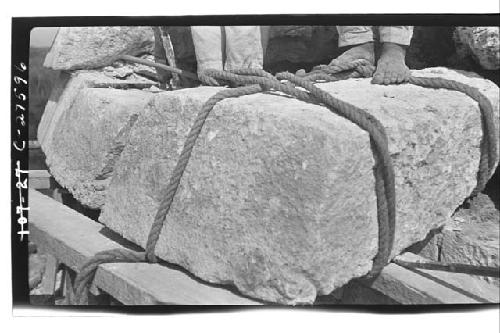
x=39, y=179
x=73, y=238
x=421, y=286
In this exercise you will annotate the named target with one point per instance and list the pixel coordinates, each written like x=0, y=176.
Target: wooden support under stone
x=422, y=286
x=40, y=179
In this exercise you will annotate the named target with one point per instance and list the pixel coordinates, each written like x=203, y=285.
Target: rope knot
x=338, y=70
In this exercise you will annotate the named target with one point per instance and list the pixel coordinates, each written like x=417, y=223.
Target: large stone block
x=94, y=47
x=278, y=197
x=84, y=123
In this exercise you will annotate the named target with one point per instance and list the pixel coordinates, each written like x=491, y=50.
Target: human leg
x=391, y=66
x=244, y=47
x=208, y=44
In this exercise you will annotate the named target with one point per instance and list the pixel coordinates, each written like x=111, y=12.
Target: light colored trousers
x=229, y=47
x=354, y=35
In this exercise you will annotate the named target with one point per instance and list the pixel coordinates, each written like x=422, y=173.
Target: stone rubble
x=482, y=43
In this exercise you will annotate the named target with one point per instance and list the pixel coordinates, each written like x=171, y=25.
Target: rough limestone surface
x=473, y=236
x=278, y=197
x=483, y=43
x=83, y=121
x=473, y=245
x=93, y=47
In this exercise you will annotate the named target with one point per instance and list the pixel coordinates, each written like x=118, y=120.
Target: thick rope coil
x=208, y=80
x=338, y=71
x=257, y=80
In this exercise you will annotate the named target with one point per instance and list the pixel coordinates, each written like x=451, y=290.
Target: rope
x=339, y=71
x=184, y=73
x=256, y=80
x=169, y=193
x=87, y=271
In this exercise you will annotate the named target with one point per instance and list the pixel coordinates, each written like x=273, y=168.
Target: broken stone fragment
x=119, y=73
x=94, y=47
x=473, y=244
x=122, y=69
x=482, y=43
x=83, y=128
x=278, y=197
x=473, y=237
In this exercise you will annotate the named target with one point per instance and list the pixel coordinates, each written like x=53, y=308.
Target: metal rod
x=162, y=66
x=452, y=267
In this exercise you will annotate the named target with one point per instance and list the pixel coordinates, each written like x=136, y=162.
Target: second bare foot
x=362, y=51
x=391, y=67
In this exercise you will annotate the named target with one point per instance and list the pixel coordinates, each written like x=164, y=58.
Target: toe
x=378, y=78
x=400, y=77
x=407, y=75
x=388, y=78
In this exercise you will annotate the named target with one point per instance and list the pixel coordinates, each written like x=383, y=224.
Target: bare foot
x=391, y=67
x=362, y=51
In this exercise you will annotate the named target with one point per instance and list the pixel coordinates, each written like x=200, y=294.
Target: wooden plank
x=68, y=287
x=68, y=279
x=156, y=284
x=420, y=286
x=39, y=179
x=73, y=238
